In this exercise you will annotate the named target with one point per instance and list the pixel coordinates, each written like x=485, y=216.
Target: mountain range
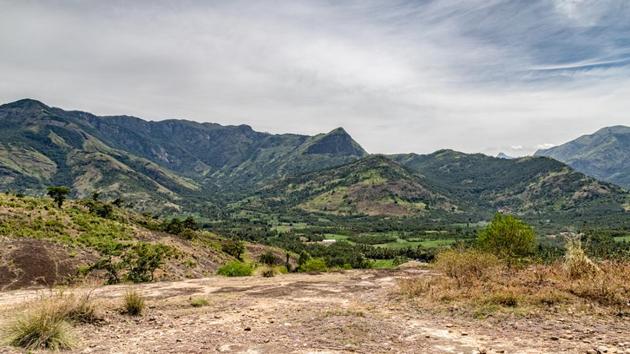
x=179, y=166
x=604, y=154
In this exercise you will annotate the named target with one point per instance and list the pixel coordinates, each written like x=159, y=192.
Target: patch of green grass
x=383, y=264
x=623, y=238
x=337, y=237
x=198, y=302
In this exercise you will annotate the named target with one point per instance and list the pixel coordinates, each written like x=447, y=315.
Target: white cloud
x=400, y=76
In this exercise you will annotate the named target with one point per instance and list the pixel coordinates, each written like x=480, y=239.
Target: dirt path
x=357, y=311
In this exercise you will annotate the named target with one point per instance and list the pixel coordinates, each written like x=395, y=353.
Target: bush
x=466, y=266
x=236, y=269
x=143, y=259
x=314, y=265
x=507, y=237
x=133, y=303
x=268, y=258
x=44, y=327
x=268, y=272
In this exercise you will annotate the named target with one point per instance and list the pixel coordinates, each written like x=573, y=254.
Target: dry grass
x=46, y=322
x=466, y=266
x=529, y=289
x=576, y=262
x=133, y=303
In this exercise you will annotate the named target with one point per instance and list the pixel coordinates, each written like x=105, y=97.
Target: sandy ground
x=355, y=311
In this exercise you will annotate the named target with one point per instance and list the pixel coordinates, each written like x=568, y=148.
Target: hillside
x=41, y=244
x=524, y=185
x=171, y=163
x=374, y=185
x=604, y=155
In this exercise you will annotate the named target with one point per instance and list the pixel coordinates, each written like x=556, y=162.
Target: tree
x=233, y=248
x=507, y=237
x=58, y=194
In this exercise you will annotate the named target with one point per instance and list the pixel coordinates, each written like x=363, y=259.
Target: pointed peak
x=339, y=131
x=26, y=103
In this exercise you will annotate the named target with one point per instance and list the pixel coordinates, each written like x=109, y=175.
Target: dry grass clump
x=486, y=286
x=466, y=266
x=46, y=325
x=576, y=262
x=133, y=303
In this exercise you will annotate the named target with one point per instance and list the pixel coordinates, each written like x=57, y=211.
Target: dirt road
x=355, y=311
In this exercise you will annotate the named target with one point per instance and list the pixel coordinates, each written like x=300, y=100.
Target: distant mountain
x=160, y=164
x=604, y=155
x=178, y=166
x=502, y=155
x=529, y=185
x=374, y=185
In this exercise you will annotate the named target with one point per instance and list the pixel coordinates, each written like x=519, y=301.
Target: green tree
x=507, y=237
x=233, y=248
x=58, y=194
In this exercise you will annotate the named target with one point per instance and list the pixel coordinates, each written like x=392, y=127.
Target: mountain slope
x=157, y=164
x=604, y=155
x=524, y=185
x=374, y=185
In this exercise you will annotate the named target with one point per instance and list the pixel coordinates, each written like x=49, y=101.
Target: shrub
x=133, y=303
x=44, y=327
x=507, y=237
x=314, y=265
x=576, y=262
x=198, y=302
x=268, y=258
x=143, y=259
x=236, y=269
x=466, y=266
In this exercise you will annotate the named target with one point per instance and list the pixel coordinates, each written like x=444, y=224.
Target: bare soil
x=354, y=311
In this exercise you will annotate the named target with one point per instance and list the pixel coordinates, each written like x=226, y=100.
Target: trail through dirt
x=354, y=311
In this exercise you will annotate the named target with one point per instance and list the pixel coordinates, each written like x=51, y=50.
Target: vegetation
x=133, y=303
x=198, y=302
x=46, y=323
x=314, y=265
x=58, y=194
x=236, y=269
x=507, y=237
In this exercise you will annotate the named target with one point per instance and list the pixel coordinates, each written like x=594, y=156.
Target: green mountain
x=604, y=155
x=374, y=186
x=526, y=186
x=169, y=163
x=178, y=166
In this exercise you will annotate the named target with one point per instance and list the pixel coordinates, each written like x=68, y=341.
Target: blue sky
x=400, y=76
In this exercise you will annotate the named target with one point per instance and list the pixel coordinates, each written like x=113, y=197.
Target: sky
x=400, y=76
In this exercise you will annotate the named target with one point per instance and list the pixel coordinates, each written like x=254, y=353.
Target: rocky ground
x=354, y=311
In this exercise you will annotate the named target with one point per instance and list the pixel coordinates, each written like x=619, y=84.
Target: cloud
x=544, y=146
x=398, y=75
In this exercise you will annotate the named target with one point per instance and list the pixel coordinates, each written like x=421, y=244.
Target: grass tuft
x=133, y=303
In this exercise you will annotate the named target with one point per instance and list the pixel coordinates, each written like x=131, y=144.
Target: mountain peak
x=337, y=142
x=26, y=103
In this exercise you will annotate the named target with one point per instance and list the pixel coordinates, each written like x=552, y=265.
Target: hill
x=374, y=185
x=530, y=185
x=168, y=164
x=604, y=155
x=41, y=244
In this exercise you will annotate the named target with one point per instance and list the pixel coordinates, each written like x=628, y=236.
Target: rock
x=248, y=329
x=554, y=338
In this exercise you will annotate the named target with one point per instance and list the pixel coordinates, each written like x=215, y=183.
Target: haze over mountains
x=183, y=166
